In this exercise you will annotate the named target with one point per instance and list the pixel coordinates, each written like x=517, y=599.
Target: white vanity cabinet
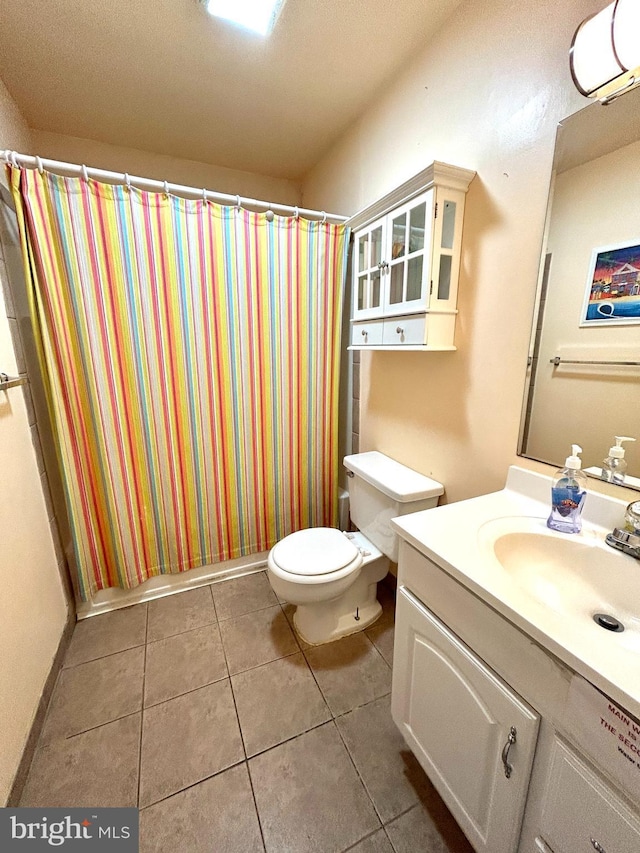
x=406, y=263
x=463, y=676
x=473, y=735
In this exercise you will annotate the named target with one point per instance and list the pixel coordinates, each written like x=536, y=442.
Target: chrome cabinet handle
x=597, y=846
x=505, y=751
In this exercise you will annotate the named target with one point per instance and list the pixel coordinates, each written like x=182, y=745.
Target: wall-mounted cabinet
x=406, y=263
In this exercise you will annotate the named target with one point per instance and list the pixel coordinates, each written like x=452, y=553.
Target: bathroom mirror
x=583, y=378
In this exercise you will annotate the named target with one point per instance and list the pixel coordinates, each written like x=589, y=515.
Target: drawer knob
x=364, y=333
x=597, y=846
x=400, y=330
x=505, y=751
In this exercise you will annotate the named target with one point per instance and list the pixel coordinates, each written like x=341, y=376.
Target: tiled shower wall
x=12, y=283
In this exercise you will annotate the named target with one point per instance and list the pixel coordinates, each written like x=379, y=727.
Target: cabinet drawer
x=405, y=330
x=581, y=811
x=369, y=332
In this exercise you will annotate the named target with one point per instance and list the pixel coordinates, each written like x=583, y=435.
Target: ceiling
x=163, y=76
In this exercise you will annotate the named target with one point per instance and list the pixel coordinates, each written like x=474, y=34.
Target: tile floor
x=232, y=736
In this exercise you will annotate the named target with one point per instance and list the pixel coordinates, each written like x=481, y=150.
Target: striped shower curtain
x=191, y=353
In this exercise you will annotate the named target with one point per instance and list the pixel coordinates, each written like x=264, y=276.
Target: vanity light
x=259, y=16
x=605, y=52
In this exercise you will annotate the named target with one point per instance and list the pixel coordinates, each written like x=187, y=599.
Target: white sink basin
x=548, y=584
x=576, y=576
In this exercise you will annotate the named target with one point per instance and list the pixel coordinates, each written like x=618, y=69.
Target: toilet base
x=355, y=610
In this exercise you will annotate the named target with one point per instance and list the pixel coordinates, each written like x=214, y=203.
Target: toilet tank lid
x=394, y=479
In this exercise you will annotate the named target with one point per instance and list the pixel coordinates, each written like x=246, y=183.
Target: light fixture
x=259, y=16
x=605, y=52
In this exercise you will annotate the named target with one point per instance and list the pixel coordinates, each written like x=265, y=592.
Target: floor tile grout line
x=355, y=766
x=250, y=612
x=265, y=663
x=326, y=701
x=360, y=840
x=388, y=837
x=144, y=684
x=63, y=738
x=289, y=739
x=403, y=813
x=184, y=693
x=102, y=657
x=193, y=785
x=187, y=693
x=255, y=804
x=182, y=633
x=235, y=706
x=213, y=600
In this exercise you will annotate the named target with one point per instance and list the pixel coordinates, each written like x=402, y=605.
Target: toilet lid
x=316, y=551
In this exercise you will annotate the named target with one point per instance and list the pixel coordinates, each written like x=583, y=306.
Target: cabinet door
x=457, y=716
x=447, y=246
x=368, y=270
x=408, y=250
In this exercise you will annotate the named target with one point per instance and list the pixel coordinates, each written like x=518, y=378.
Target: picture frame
x=612, y=294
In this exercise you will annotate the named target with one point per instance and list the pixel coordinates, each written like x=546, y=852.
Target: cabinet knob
x=364, y=333
x=400, y=330
x=511, y=739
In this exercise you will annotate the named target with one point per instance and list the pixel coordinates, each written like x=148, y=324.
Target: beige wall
x=32, y=603
x=594, y=205
x=145, y=164
x=486, y=93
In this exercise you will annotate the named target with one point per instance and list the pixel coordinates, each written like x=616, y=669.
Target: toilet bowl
x=332, y=576
x=332, y=579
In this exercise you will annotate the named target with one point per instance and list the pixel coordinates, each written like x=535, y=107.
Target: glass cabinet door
x=368, y=272
x=447, y=237
x=410, y=244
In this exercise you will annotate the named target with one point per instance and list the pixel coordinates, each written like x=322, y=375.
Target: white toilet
x=332, y=576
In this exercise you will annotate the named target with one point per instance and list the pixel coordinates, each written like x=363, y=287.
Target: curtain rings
x=39, y=165
x=85, y=173
x=205, y=200
x=166, y=189
x=296, y=213
x=13, y=159
x=270, y=215
x=324, y=218
x=127, y=181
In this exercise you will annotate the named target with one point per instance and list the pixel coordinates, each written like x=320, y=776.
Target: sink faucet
x=624, y=541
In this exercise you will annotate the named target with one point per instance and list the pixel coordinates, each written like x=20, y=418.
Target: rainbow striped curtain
x=191, y=353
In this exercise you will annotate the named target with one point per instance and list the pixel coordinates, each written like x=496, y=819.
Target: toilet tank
x=381, y=489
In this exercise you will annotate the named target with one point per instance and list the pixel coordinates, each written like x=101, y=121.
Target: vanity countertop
x=459, y=538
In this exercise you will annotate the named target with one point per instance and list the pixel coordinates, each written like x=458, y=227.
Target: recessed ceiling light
x=256, y=15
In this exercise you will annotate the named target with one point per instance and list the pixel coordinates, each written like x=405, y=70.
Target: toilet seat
x=315, y=555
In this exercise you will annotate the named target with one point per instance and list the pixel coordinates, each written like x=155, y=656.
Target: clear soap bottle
x=568, y=493
x=615, y=465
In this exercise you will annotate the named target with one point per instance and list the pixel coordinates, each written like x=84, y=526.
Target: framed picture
x=613, y=288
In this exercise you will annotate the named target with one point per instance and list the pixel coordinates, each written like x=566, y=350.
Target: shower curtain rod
x=75, y=170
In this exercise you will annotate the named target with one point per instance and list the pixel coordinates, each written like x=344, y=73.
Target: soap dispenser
x=568, y=493
x=615, y=465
